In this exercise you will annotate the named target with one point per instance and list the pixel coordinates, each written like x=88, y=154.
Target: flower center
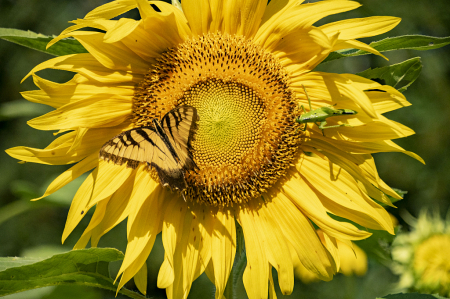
x=232, y=116
x=431, y=262
x=246, y=136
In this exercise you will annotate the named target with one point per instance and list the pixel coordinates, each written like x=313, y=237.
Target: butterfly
x=165, y=146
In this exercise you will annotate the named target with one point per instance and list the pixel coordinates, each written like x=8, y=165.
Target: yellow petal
x=81, y=133
x=301, y=235
x=205, y=230
x=168, y=27
x=310, y=13
x=397, y=148
x=330, y=244
x=166, y=274
x=143, y=230
x=143, y=187
x=336, y=86
x=108, y=179
x=78, y=88
x=277, y=8
x=171, y=232
x=95, y=111
x=99, y=213
x=354, y=259
x=296, y=17
x=88, y=66
x=359, y=28
x=71, y=174
x=192, y=254
x=371, y=173
x=354, y=44
x=79, y=202
x=45, y=95
x=64, y=34
x=198, y=14
x=92, y=139
x=223, y=242
x=256, y=273
x=62, y=150
x=309, y=203
x=140, y=279
x=114, y=56
x=117, y=210
x=111, y=9
x=373, y=147
x=241, y=17
x=351, y=163
x=380, y=129
x=342, y=194
x=389, y=100
x=273, y=243
x=122, y=28
x=301, y=50
x=54, y=154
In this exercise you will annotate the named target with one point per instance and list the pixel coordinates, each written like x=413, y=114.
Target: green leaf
x=412, y=296
x=405, y=42
x=20, y=108
x=400, y=75
x=10, y=262
x=38, y=42
x=87, y=267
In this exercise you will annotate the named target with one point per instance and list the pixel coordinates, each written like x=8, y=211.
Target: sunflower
x=245, y=66
x=421, y=256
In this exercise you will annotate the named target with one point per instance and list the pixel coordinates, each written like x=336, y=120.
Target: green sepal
x=399, y=192
x=87, y=267
x=400, y=75
x=39, y=42
x=404, y=42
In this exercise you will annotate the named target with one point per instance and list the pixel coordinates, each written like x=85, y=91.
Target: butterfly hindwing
x=179, y=125
x=166, y=146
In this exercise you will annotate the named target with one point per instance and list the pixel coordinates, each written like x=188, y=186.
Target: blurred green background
x=35, y=228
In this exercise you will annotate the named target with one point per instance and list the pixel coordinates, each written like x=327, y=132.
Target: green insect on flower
x=319, y=115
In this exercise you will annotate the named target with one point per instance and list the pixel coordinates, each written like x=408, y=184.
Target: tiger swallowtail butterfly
x=166, y=146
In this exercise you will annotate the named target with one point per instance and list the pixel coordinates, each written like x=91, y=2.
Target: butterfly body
x=165, y=146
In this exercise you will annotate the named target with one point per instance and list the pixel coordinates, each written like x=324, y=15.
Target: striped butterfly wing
x=180, y=125
x=144, y=145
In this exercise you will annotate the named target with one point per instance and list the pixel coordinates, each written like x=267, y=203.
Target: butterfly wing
x=180, y=125
x=169, y=171
x=141, y=145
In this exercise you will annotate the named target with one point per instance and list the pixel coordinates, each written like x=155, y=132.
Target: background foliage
x=35, y=229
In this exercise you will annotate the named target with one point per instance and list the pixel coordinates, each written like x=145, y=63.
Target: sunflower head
x=420, y=256
x=247, y=137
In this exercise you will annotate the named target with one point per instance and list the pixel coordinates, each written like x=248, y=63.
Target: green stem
x=239, y=264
